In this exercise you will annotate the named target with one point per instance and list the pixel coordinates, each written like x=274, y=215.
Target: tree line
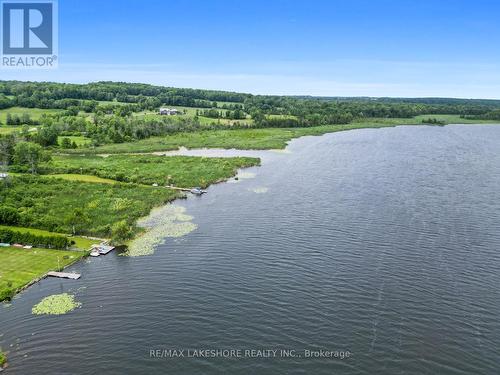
x=27, y=238
x=112, y=121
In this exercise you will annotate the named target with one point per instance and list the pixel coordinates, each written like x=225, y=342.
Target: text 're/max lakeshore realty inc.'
x=161, y=353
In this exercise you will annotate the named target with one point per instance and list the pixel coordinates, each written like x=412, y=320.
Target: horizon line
x=298, y=96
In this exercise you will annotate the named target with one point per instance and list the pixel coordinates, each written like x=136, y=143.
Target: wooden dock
x=64, y=275
x=102, y=248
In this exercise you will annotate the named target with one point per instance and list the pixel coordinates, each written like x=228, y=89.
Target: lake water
x=384, y=243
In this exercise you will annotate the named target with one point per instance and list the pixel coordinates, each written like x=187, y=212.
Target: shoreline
x=223, y=180
x=83, y=255
x=251, y=139
x=86, y=253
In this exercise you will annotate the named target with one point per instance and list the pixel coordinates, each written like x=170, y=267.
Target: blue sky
x=332, y=48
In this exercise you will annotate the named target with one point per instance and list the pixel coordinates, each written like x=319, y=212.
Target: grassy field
x=453, y=119
x=114, y=102
x=181, y=171
x=9, y=129
x=91, y=209
x=19, y=267
x=259, y=139
x=34, y=113
x=81, y=243
x=83, y=178
x=221, y=103
x=223, y=121
x=191, y=112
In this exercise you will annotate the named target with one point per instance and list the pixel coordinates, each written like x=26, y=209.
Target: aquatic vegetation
x=3, y=358
x=56, y=304
x=260, y=190
x=169, y=221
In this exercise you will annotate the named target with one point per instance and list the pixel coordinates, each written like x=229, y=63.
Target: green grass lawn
x=34, y=113
x=18, y=267
x=181, y=171
x=81, y=243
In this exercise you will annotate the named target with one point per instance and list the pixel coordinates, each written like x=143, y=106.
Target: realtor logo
x=29, y=34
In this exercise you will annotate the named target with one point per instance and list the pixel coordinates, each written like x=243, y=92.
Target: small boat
x=94, y=253
x=197, y=191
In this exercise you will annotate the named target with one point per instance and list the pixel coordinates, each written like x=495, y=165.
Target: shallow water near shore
x=381, y=242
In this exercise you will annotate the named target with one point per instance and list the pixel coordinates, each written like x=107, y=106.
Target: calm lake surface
x=384, y=243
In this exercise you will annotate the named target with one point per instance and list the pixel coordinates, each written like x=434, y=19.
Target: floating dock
x=64, y=275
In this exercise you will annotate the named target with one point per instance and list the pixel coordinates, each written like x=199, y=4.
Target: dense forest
x=143, y=96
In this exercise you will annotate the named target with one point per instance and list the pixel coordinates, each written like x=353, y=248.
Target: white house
x=168, y=111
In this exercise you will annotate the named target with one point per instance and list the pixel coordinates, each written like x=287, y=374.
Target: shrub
x=26, y=238
x=9, y=215
x=121, y=231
